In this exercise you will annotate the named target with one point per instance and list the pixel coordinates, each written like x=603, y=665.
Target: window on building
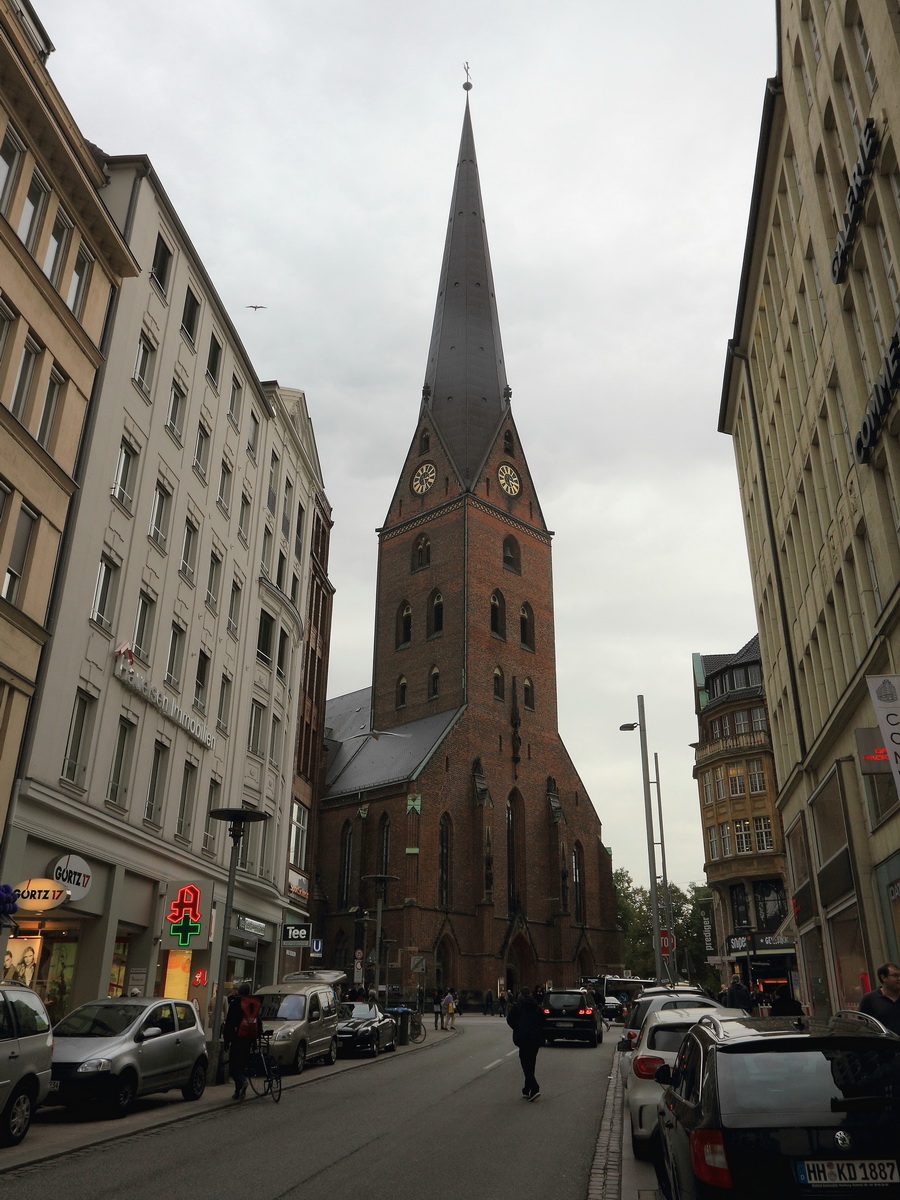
x=185, y=817
x=756, y=775
x=526, y=626
x=78, y=284
x=498, y=684
x=33, y=210
x=498, y=615
x=740, y=908
x=120, y=767
x=512, y=555
x=156, y=786
x=256, y=736
x=55, y=254
x=190, y=316
x=143, y=363
x=421, y=555
x=268, y=543
x=444, y=852
x=103, y=605
x=287, y=508
x=725, y=831
x=223, y=713
x=346, y=876
x=126, y=475
x=298, y=835
x=224, y=497
x=578, y=884
x=189, y=551
x=49, y=408
x=435, y=614
x=213, y=581
x=143, y=627
x=234, y=401
x=162, y=264
x=78, y=741
x=11, y=153
x=234, y=608
x=201, y=681
x=737, y=780
x=719, y=777
x=404, y=625
x=712, y=837
x=706, y=787
x=23, y=539
x=213, y=801
x=401, y=691
x=742, y=842
x=298, y=534
x=253, y=435
x=762, y=828
x=175, y=656
x=434, y=684
x=528, y=694
x=508, y=442
x=272, y=493
x=31, y=352
x=758, y=717
x=275, y=739
x=265, y=640
x=214, y=360
x=201, y=451
x=741, y=721
x=175, y=415
x=284, y=652
x=771, y=904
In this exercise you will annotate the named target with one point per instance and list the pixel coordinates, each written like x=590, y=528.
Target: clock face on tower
x=423, y=477
x=509, y=479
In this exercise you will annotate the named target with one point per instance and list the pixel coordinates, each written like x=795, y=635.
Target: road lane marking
x=495, y=1063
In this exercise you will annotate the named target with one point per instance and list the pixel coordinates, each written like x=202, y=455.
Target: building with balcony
x=743, y=844
x=809, y=399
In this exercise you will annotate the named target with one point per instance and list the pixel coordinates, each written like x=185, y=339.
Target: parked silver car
x=26, y=1047
x=111, y=1051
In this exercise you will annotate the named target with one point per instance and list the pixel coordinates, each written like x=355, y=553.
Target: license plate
x=54, y=1085
x=565, y=1024
x=869, y=1172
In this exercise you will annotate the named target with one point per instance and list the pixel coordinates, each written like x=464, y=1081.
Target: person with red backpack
x=241, y=1029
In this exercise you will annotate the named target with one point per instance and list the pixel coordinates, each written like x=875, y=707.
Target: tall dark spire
x=466, y=390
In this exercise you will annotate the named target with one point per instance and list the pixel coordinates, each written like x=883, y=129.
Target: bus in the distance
x=616, y=993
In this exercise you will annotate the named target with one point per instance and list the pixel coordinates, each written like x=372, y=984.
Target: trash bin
x=401, y=1015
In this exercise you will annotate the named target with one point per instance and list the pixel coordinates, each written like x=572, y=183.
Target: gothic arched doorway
x=520, y=965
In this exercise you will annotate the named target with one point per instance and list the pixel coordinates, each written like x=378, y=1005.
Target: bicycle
x=263, y=1071
x=416, y=1027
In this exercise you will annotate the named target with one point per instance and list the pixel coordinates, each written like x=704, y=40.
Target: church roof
x=360, y=759
x=466, y=391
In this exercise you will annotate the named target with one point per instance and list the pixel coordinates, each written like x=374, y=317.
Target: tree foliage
x=633, y=907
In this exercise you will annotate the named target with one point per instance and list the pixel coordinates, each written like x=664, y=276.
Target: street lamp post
x=667, y=895
x=640, y=724
x=237, y=819
x=382, y=881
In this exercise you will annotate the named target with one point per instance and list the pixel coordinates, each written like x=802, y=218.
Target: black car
x=573, y=1014
x=781, y=1107
x=365, y=1028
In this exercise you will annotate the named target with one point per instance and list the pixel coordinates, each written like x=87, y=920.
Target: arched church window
x=424, y=441
x=528, y=694
x=421, y=553
x=498, y=615
x=512, y=558
x=526, y=626
x=515, y=862
x=434, y=683
x=384, y=844
x=401, y=691
x=578, y=883
x=404, y=625
x=508, y=442
x=445, y=831
x=498, y=684
x=435, y=614
x=346, y=865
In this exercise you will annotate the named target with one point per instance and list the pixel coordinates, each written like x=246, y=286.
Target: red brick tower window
x=512, y=556
x=498, y=615
x=526, y=626
x=404, y=625
x=445, y=831
x=498, y=684
x=578, y=883
x=528, y=694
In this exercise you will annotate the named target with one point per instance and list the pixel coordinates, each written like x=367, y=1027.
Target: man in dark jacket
x=526, y=1019
x=241, y=1029
x=738, y=994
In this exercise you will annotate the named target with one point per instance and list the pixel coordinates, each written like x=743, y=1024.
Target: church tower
x=449, y=791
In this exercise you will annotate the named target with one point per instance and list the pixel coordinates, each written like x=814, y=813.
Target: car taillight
x=708, y=1158
x=547, y=1012
x=585, y=1012
x=644, y=1065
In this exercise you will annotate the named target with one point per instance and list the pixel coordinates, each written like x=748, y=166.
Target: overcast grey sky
x=310, y=150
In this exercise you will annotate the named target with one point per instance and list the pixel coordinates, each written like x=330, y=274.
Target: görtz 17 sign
x=37, y=895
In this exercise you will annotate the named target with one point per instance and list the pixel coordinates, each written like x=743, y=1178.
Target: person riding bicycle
x=241, y=1029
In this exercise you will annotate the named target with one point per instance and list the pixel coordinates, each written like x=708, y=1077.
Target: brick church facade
x=449, y=792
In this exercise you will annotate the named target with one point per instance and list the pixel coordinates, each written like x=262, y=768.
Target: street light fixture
x=382, y=881
x=237, y=819
x=640, y=724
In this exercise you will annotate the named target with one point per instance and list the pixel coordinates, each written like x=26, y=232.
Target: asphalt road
x=444, y=1123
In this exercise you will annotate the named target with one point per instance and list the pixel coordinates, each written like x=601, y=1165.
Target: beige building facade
x=173, y=678
x=809, y=399
x=61, y=261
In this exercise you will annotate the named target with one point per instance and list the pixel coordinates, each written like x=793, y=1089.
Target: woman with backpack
x=241, y=1029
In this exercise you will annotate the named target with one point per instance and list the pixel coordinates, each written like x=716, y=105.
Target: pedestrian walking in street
x=526, y=1019
x=501, y=1002
x=242, y=1027
x=489, y=1003
x=448, y=1009
x=738, y=995
x=438, y=1012
x=884, y=1003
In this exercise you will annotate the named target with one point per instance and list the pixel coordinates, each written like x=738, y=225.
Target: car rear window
x=561, y=1000
x=667, y=1037
x=804, y=1079
x=283, y=1006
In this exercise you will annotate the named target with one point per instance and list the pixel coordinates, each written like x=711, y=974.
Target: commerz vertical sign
x=884, y=692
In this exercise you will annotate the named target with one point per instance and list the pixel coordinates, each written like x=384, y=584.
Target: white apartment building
x=810, y=400
x=171, y=684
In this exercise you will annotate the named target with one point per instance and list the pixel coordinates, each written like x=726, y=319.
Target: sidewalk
x=616, y=1174
x=55, y=1132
